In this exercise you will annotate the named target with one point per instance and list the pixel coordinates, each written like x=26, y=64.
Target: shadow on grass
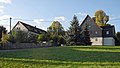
x=57, y=63
x=99, y=47
x=67, y=54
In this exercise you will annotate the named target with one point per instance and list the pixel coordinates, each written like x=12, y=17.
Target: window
x=89, y=20
x=96, y=32
x=89, y=26
x=107, y=32
x=17, y=28
x=96, y=39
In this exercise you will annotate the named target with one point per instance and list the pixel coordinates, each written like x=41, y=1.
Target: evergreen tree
x=86, y=36
x=74, y=32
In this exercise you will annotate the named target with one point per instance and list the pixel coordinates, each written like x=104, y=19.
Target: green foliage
x=73, y=33
x=101, y=18
x=56, y=28
x=31, y=38
x=22, y=37
x=86, y=36
x=55, y=32
x=3, y=35
x=42, y=37
x=118, y=35
x=62, y=57
x=118, y=38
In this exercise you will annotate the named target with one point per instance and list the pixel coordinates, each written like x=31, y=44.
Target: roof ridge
x=29, y=25
x=91, y=19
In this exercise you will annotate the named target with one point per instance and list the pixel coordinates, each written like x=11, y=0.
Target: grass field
x=62, y=57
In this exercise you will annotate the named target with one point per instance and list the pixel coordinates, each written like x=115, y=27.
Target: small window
x=107, y=32
x=96, y=39
x=89, y=26
x=17, y=28
x=89, y=20
x=96, y=32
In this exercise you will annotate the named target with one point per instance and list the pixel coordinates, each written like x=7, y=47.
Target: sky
x=41, y=13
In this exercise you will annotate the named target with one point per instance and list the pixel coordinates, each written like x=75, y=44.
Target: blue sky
x=41, y=13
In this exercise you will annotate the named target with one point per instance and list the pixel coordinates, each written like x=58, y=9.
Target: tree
x=118, y=38
x=32, y=38
x=42, y=37
x=55, y=31
x=20, y=36
x=56, y=28
x=86, y=34
x=101, y=18
x=73, y=33
x=2, y=31
x=3, y=34
x=118, y=35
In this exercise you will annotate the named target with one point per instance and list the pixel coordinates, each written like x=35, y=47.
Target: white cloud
x=60, y=18
x=81, y=14
x=38, y=21
x=115, y=18
x=43, y=28
x=3, y=3
x=1, y=9
x=6, y=1
x=4, y=21
x=6, y=17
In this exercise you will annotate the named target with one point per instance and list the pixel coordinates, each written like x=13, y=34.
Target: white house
x=99, y=35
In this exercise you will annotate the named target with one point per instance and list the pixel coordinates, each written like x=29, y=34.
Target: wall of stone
x=23, y=45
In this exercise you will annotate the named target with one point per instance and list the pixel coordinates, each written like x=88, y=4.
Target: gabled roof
x=91, y=19
x=31, y=28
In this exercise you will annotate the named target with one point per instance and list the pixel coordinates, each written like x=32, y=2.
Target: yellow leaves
x=101, y=18
x=5, y=37
x=103, y=24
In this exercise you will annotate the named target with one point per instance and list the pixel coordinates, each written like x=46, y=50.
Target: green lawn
x=62, y=57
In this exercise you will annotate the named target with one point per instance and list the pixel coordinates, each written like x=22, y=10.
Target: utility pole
x=11, y=31
x=10, y=23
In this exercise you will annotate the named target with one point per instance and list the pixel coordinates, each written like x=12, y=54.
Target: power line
x=4, y=19
x=27, y=20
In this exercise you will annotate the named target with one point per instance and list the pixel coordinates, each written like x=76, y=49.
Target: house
x=104, y=35
x=27, y=28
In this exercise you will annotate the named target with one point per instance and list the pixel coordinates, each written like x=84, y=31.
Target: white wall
x=97, y=40
x=109, y=41
x=22, y=27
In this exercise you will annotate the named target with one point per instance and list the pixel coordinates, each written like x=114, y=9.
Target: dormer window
x=107, y=32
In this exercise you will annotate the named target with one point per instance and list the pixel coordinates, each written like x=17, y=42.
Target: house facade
x=27, y=28
x=99, y=35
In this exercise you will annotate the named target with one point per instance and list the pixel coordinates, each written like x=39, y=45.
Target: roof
x=91, y=19
x=31, y=28
x=110, y=29
x=106, y=27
